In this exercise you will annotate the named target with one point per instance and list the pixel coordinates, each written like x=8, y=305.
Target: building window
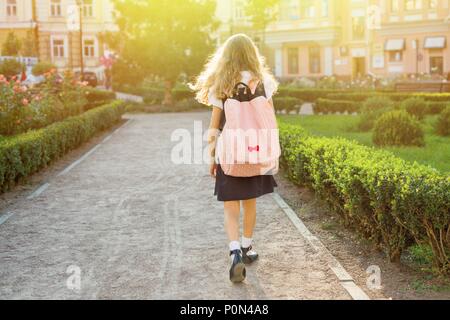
x=314, y=60
x=413, y=5
x=11, y=8
x=55, y=8
x=307, y=9
x=436, y=65
x=358, y=28
x=88, y=8
x=395, y=56
x=293, y=61
x=89, y=48
x=432, y=4
x=395, y=6
x=289, y=10
x=239, y=10
x=58, y=48
x=325, y=8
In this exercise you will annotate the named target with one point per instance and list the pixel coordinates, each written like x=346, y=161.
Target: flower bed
x=57, y=98
x=24, y=154
x=385, y=198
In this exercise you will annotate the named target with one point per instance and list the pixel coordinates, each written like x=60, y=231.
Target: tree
x=29, y=45
x=11, y=46
x=165, y=38
x=261, y=13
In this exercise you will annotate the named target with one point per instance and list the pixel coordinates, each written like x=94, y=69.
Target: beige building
x=351, y=38
x=55, y=24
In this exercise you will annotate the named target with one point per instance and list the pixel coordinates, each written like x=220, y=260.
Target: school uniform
x=228, y=188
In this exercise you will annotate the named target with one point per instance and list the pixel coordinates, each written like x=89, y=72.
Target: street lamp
x=80, y=8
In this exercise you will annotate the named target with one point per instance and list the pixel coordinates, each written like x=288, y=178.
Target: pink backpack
x=249, y=144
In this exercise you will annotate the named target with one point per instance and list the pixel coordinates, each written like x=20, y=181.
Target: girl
x=236, y=61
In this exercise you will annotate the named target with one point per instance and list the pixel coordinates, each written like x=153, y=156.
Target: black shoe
x=237, y=271
x=249, y=255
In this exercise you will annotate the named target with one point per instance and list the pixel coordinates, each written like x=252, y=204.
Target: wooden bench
x=440, y=87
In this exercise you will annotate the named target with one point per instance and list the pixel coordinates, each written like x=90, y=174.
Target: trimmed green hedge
x=352, y=96
x=332, y=106
x=287, y=104
x=25, y=154
x=306, y=95
x=385, y=198
x=395, y=96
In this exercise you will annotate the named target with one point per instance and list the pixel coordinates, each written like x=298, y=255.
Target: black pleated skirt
x=234, y=189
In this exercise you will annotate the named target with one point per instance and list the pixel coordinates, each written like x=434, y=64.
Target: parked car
x=89, y=77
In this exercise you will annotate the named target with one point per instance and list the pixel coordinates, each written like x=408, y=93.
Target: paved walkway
x=138, y=226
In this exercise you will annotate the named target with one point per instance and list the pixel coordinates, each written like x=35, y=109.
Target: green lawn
x=436, y=152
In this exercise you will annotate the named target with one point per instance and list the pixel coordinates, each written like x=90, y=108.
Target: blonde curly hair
x=223, y=70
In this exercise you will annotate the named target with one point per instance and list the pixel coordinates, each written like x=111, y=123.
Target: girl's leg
x=248, y=254
x=249, y=217
x=232, y=212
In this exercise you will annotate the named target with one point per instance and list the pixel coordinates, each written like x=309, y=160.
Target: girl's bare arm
x=214, y=131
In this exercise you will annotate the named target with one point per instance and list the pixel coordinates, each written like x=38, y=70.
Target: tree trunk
x=168, y=99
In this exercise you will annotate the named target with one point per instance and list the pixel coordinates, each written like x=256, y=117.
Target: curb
x=345, y=279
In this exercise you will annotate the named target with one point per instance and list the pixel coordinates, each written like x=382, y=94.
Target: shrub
x=415, y=106
x=398, y=128
x=153, y=95
x=421, y=254
x=181, y=93
x=287, y=104
x=371, y=110
x=384, y=198
x=436, y=107
x=434, y=97
x=333, y=106
x=367, y=119
x=11, y=67
x=97, y=98
x=351, y=96
x=378, y=103
x=306, y=95
x=24, y=154
x=42, y=67
x=187, y=105
x=443, y=123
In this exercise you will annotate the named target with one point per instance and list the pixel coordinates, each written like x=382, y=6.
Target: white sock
x=246, y=242
x=234, y=245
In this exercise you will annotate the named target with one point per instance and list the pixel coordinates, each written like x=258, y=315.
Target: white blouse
x=269, y=86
